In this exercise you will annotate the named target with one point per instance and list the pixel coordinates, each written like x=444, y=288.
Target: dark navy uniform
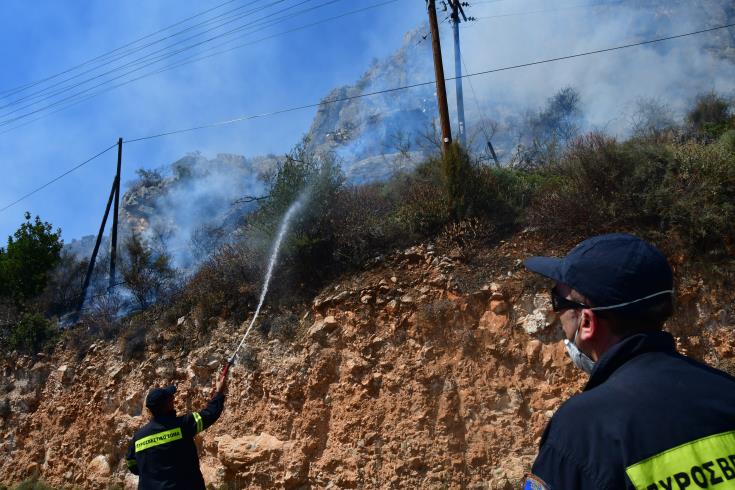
x=163, y=451
x=649, y=418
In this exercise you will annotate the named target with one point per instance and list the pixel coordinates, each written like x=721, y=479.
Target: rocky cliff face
x=384, y=125
x=435, y=368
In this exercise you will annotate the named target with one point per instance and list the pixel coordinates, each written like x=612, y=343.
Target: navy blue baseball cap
x=613, y=271
x=157, y=396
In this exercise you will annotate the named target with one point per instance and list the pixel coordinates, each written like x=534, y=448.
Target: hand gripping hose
x=225, y=369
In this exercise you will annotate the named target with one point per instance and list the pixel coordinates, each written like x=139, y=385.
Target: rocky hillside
x=437, y=367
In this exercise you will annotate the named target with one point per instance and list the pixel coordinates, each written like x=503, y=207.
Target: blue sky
x=41, y=38
x=44, y=37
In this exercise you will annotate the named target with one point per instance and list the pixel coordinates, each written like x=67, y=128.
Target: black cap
x=610, y=270
x=157, y=396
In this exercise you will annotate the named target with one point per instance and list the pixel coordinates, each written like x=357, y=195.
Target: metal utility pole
x=113, y=244
x=457, y=10
x=441, y=89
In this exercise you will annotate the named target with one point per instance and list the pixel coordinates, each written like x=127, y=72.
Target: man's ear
x=589, y=326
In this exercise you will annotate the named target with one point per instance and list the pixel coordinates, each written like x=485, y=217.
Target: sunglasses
x=559, y=302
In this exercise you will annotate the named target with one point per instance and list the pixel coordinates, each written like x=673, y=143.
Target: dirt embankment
x=429, y=370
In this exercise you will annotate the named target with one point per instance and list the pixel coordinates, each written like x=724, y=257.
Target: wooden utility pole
x=90, y=267
x=114, y=196
x=113, y=244
x=457, y=10
x=441, y=89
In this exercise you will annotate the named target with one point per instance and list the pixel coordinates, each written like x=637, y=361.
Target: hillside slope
x=435, y=368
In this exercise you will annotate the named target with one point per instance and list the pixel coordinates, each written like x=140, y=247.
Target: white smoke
x=609, y=83
x=360, y=131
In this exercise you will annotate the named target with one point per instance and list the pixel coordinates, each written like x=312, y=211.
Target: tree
x=651, y=118
x=25, y=264
x=147, y=275
x=545, y=134
x=711, y=115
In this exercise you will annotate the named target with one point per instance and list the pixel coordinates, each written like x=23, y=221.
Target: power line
x=181, y=63
x=145, y=61
x=422, y=84
x=78, y=166
x=542, y=11
x=23, y=87
x=370, y=94
x=37, y=94
x=513, y=14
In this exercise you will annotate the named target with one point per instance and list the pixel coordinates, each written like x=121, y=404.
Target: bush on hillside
x=306, y=253
x=422, y=201
x=64, y=288
x=544, y=135
x=32, y=334
x=501, y=195
x=598, y=185
x=652, y=119
x=226, y=284
x=697, y=195
x=458, y=180
x=148, y=276
x=363, y=223
x=711, y=115
x=603, y=184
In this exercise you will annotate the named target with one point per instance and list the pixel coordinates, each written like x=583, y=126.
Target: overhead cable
x=557, y=9
x=423, y=84
x=76, y=99
x=144, y=60
x=59, y=177
x=39, y=93
x=25, y=86
x=395, y=89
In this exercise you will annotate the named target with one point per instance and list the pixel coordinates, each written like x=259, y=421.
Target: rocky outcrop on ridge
x=428, y=370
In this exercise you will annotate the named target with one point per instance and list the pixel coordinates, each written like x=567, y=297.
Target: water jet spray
x=282, y=229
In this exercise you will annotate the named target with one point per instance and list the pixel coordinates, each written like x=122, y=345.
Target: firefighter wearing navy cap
x=163, y=452
x=649, y=418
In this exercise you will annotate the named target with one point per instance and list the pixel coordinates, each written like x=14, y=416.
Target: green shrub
x=600, y=184
x=457, y=179
x=32, y=334
x=226, y=284
x=727, y=140
x=501, y=195
x=711, y=115
x=31, y=254
x=148, y=276
x=697, y=196
x=306, y=252
x=422, y=202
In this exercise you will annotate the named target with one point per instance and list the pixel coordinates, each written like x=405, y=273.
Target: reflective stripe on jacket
x=649, y=418
x=163, y=452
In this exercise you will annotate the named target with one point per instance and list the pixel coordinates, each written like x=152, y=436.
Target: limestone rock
x=321, y=329
x=238, y=453
x=99, y=468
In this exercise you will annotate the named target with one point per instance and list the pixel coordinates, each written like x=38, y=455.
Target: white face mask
x=579, y=358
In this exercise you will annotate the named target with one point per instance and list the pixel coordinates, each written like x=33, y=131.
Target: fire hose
x=271, y=264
